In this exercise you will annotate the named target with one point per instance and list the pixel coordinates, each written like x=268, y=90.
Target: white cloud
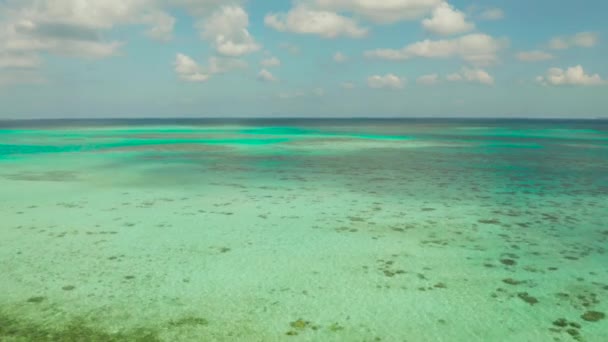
x=271, y=62
x=226, y=29
x=585, y=39
x=428, y=79
x=447, y=21
x=90, y=14
x=220, y=65
x=304, y=20
x=534, y=56
x=381, y=11
x=198, y=8
x=162, y=25
x=76, y=27
x=188, y=70
x=347, y=85
x=387, y=81
x=558, y=44
x=572, y=76
x=581, y=39
x=492, y=14
x=266, y=76
x=339, y=57
x=471, y=75
x=454, y=77
x=318, y=92
x=20, y=60
x=59, y=39
x=477, y=49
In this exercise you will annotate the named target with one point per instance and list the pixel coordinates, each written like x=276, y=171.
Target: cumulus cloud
x=270, y=62
x=492, y=14
x=266, y=76
x=471, y=75
x=31, y=29
x=188, y=70
x=226, y=29
x=220, y=65
x=304, y=20
x=534, y=56
x=19, y=60
x=162, y=25
x=477, y=49
x=60, y=39
x=339, y=57
x=581, y=39
x=198, y=8
x=389, y=81
x=76, y=27
x=428, y=79
x=572, y=76
x=386, y=11
x=447, y=21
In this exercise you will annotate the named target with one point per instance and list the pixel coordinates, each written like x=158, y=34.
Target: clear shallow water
x=304, y=230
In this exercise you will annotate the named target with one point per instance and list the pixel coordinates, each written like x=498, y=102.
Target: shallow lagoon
x=337, y=230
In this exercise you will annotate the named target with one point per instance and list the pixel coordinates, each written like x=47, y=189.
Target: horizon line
x=310, y=118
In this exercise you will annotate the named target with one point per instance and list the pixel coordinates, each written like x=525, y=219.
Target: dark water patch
x=527, y=298
x=387, y=267
x=48, y=176
x=335, y=327
x=346, y=230
x=356, y=219
x=593, y=316
x=300, y=326
x=71, y=205
x=189, y=321
x=77, y=330
x=573, y=332
x=512, y=281
x=36, y=299
x=489, y=221
x=562, y=325
x=561, y=322
x=508, y=262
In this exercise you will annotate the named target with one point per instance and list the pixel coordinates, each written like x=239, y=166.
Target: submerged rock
x=593, y=316
x=527, y=298
x=512, y=281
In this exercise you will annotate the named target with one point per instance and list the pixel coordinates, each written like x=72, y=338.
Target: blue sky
x=319, y=58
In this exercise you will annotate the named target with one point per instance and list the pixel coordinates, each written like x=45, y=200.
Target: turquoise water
x=304, y=230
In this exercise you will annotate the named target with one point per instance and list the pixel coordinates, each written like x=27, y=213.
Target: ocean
x=304, y=230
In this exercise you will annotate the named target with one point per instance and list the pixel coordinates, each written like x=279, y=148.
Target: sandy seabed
x=409, y=231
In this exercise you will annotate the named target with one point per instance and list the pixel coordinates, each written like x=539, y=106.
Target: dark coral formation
x=527, y=298
x=593, y=316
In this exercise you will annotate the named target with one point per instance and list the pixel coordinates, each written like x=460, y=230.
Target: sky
x=303, y=58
